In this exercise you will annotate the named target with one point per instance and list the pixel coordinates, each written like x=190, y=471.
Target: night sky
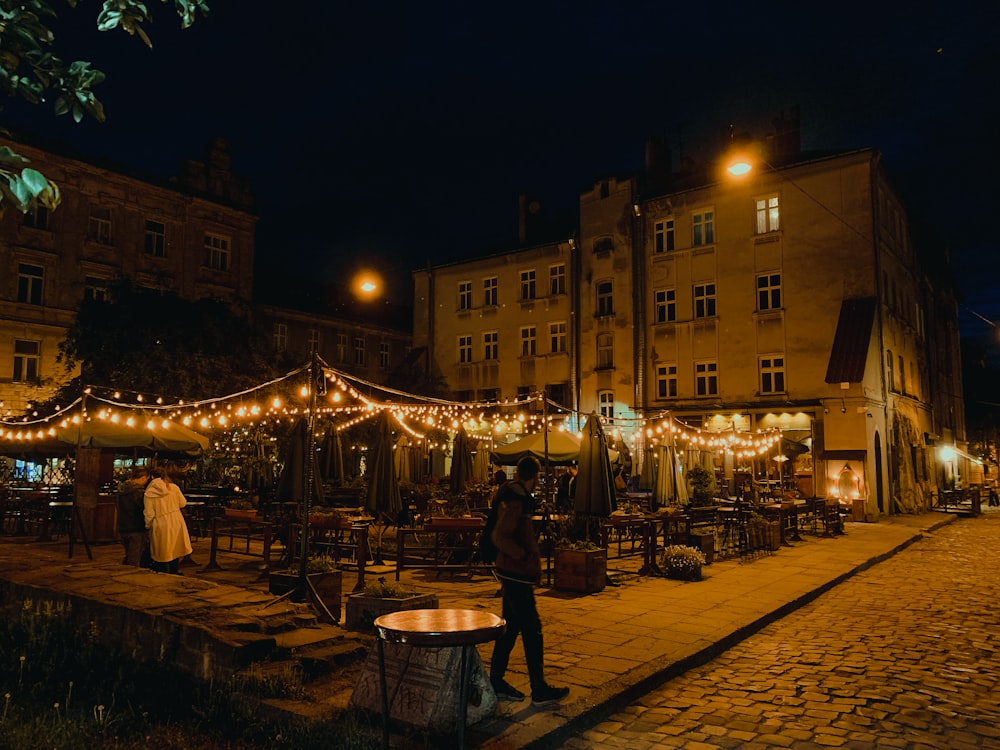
x=399, y=134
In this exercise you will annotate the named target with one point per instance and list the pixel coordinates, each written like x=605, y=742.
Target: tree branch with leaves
x=29, y=70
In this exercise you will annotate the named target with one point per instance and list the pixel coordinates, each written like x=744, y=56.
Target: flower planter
x=329, y=587
x=362, y=609
x=682, y=563
x=583, y=571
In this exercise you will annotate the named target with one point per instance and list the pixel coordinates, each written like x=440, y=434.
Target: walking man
x=519, y=568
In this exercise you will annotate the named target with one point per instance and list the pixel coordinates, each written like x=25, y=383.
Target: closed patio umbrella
x=665, y=492
x=383, y=488
x=292, y=480
x=461, y=462
x=333, y=457
x=595, y=486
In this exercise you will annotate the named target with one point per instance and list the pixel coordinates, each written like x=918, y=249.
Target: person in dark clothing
x=566, y=490
x=519, y=568
x=131, y=524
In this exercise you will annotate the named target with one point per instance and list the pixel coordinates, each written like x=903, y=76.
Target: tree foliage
x=150, y=342
x=30, y=70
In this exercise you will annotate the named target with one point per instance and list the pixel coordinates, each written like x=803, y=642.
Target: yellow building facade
x=791, y=299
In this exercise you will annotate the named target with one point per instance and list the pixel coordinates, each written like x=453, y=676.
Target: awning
x=851, y=342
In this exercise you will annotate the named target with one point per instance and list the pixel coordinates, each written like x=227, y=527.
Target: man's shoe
x=548, y=695
x=507, y=692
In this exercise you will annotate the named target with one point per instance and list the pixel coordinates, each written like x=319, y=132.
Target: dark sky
x=401, y=133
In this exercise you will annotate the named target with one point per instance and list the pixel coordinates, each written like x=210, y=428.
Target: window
x=489, y=394
x=465, y=349
x=557, y=393
x=606, y=404
x=524, y=393
x=767, y=215
x=605, y=351
x=465, y=295
x=902, y=375
x=557, y=334
x=341, y=347
x=666, y=381
x=383, y=355
x=704, y=228
x=26, y=361
x=665, y=302
x=29, y=283
x=557, y=279
x=280, y=337
x=528, y=345
x=313, y=339
x=37, y=217
x=216, y=252
x=663, y=236
x=605, y=299
x=156, y=238
x=890, y=375
x=490, y=291
x=359, y=350
x=706, y=378
x=704, y=300
x=95, y=288
x=491, y=346
x=99, y=226
x=769, y=291
x=528, y=284
x=772, y=374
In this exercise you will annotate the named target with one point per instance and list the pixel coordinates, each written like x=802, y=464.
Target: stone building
x=791, y=298
x=194, y=236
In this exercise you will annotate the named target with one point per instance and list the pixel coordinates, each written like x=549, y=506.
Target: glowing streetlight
x=367, y=285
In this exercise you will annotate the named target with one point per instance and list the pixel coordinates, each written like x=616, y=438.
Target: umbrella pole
x=75, y=521
x=309, y=478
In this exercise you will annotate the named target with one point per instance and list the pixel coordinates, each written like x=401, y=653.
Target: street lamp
x=367, y=285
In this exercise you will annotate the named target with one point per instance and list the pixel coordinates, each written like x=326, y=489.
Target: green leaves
x=29, y=71
x=28, y=186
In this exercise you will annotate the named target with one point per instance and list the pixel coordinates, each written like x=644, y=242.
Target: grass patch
x=60, y=687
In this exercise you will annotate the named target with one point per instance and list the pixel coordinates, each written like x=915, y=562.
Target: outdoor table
x=436, y=628
x=787, y=516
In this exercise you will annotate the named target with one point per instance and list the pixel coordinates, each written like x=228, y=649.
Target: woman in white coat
x=168, y=535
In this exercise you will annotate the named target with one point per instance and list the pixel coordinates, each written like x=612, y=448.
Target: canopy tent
x=563, y=449
x=158, y=435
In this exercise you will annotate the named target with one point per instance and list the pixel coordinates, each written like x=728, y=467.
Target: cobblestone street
x=903, y=655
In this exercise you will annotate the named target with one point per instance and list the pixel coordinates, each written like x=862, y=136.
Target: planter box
x=439, y=523
x=329, y=588
x=362, y=609
x=583, y=571
x=242, y=515
x=704, y=543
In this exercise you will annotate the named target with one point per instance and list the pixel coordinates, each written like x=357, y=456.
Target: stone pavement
x=609, y=647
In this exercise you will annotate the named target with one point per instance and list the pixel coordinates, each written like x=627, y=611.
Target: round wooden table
x=436, y=628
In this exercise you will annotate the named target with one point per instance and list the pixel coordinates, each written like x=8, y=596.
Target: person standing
x=519, y=568
x=168, y=534
x=131, y=523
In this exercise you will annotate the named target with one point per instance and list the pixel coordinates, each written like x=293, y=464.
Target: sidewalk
x=609, y=648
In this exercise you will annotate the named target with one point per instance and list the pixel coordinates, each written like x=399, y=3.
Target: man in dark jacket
x=519, y=568
x=131, y=524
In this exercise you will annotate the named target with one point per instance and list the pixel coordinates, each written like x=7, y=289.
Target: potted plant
x=381, y=598
x=324, y=578
x=701, y=483
x=682, y=563
x=579, y=561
